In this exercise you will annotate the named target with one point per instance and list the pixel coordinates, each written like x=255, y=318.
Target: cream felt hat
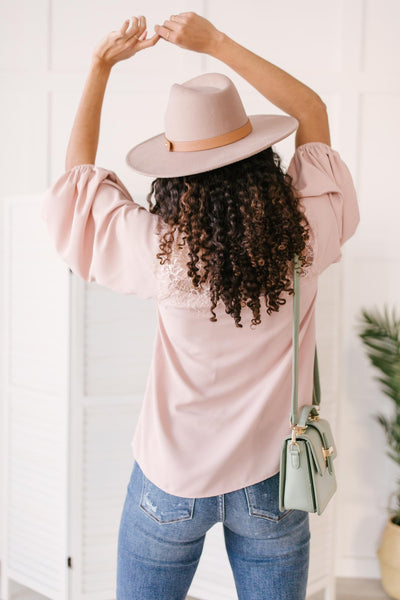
x=206, y=127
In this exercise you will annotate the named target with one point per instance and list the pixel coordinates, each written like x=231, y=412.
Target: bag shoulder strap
x=316, y=399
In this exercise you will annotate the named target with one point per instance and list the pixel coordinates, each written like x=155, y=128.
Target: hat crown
x=203, y=107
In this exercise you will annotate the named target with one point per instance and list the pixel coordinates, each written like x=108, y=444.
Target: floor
x=347, y=589
x=351, y=589
x=356, y=589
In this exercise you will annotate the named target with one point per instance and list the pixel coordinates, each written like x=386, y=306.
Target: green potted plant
x=381, y=336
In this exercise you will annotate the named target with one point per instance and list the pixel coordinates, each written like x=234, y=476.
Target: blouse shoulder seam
x=90, y=166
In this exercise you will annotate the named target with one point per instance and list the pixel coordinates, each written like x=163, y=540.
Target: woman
x=219, y=239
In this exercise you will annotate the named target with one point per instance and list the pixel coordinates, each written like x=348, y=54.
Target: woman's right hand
x=190, y=31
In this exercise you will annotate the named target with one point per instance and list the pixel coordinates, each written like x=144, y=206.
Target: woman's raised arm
x=115, y=46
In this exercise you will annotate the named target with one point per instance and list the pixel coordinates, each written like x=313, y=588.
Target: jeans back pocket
x=162, y=506
x=263, y=499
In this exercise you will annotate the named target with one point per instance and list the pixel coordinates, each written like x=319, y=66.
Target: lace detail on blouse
x=176, y=288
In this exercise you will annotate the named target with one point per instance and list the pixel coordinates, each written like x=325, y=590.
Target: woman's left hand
x=122, y=44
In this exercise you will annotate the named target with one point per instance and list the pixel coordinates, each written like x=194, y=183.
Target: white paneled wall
x=348, y=52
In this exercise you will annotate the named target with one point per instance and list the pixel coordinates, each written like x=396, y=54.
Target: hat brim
x=152, y=158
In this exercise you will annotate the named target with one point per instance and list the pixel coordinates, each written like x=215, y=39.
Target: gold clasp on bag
x=313, y=417
x=296, y=429
x=327, y=452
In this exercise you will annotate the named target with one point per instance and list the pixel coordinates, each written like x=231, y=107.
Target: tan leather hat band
x=208, y=143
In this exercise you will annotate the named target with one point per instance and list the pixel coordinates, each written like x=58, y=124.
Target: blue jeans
x=161, y=537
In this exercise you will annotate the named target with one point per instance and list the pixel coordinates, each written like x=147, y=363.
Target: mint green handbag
x=307, y=479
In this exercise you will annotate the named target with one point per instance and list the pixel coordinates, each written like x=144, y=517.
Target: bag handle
x=296, y=326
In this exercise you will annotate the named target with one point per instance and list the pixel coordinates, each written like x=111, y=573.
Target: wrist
x=219, y=41
x=100, y=65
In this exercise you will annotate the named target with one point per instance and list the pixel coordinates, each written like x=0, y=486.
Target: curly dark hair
x=246, y=221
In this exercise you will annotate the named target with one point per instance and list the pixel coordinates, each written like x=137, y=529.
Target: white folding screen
x=34, y=430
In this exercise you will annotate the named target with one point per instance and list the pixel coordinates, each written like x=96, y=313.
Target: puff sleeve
x=100, y=232
x=325, y=185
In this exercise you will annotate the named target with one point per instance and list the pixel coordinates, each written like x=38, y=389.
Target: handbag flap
x=314, y=445
x=319, y=435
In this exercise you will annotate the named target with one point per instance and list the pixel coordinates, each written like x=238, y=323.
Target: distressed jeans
x=161, y=537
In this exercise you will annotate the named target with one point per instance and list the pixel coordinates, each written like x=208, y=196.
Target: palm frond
x=380, y=334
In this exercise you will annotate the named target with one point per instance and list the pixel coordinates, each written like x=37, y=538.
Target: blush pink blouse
x=217, y=400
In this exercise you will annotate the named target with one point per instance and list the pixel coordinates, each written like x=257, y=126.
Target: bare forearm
x=286, y=92
x=84, y=138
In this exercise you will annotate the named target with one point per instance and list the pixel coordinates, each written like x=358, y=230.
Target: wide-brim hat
x=206, y=127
